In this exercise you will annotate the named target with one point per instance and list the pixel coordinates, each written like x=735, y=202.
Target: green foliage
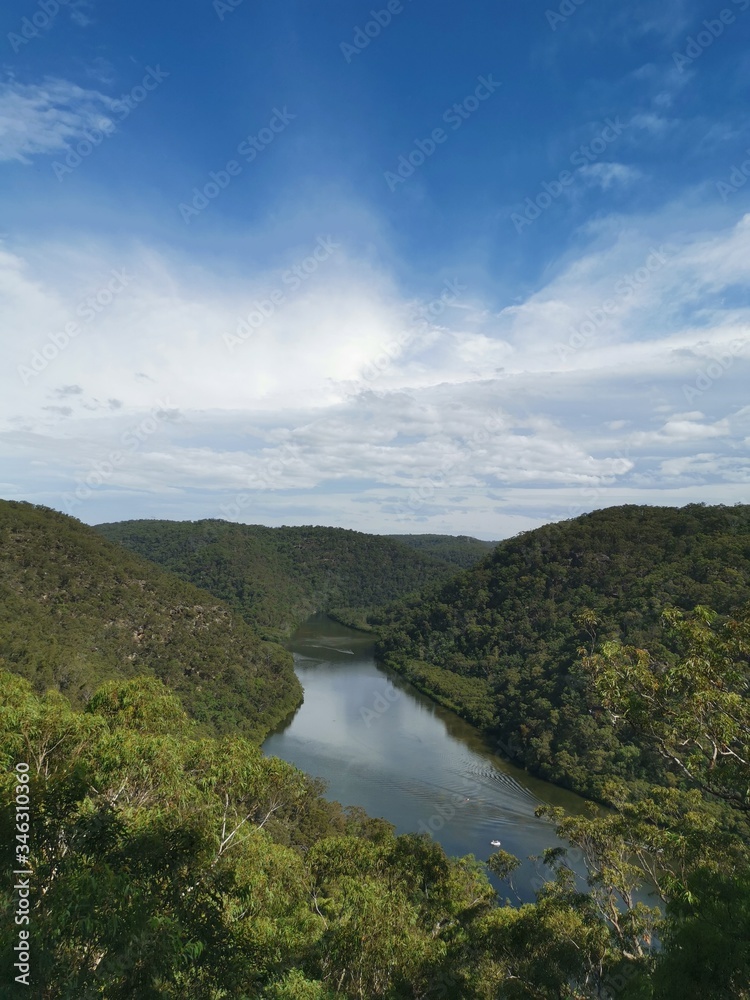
x=707, y=941
x=278, y=577
x=467, y=696
x=513, y=626
x=694, y=710
x=549, y=950
x=296, y=986
x=143, y=855
x=461, y=550
x=76, y=610
x=169, y=865
x=692, y=847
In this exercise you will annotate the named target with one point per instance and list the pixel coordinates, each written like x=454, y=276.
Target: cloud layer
x=317, y=387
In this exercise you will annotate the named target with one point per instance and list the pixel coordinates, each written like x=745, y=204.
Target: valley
x=219, y=764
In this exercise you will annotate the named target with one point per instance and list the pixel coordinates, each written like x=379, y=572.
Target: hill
x=151, y=861
x=76, y=610
x=500, y=643
x=460, y=550
x=277, y=577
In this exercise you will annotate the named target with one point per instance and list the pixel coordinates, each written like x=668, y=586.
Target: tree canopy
x=76, y=610
x=278, y=577
x=500, y=643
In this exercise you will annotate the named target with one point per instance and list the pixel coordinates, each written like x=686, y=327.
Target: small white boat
x=495, y=843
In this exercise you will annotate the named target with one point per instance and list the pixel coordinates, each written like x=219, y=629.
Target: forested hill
x=277, y=577
x=76, y=610
x=499, y=643
x=461, y=550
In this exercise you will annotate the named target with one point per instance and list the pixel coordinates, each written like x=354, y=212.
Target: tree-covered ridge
x=278, y=577
x=499, y=643
x=76, y=610
x=461, y=550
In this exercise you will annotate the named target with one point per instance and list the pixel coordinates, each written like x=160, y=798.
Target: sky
x=401, y=267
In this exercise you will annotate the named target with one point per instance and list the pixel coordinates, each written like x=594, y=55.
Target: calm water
x=380, y=744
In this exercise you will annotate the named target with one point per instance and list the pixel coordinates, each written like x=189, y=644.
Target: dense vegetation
x=76, y=610
x=164, y=860
x=460, y=550
x=163, y=864
x=278, y=577
x=499, y=643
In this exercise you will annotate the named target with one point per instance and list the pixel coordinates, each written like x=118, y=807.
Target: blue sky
x=395, y=267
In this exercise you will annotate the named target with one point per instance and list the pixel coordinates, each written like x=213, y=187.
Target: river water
x=380, y=744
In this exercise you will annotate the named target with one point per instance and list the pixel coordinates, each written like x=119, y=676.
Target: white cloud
x=606, y=175
x=669, y=20
x=349, y=397
x=707, y=465
x=42, y=119
x=685, y=431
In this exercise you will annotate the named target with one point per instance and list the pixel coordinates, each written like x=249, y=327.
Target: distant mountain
x=277, y=577
x=461, y=550
x=76, y=610
x=499, y=643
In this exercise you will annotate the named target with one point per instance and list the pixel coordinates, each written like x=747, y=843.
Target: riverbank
x=383, y=746
x=470, y=698
x=354, y=618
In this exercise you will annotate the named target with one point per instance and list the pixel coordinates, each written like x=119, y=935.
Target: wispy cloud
x=81, y=12
x=607, y=175
x=43, y=119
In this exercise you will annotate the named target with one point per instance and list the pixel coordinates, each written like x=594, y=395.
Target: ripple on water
x=329, y=647
x=486, y=770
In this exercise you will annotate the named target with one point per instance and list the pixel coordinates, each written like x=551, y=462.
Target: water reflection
x=381, y=745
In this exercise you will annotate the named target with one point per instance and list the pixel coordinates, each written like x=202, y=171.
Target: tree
x=694, y=712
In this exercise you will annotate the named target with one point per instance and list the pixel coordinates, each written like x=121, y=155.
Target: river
x=380, y=744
